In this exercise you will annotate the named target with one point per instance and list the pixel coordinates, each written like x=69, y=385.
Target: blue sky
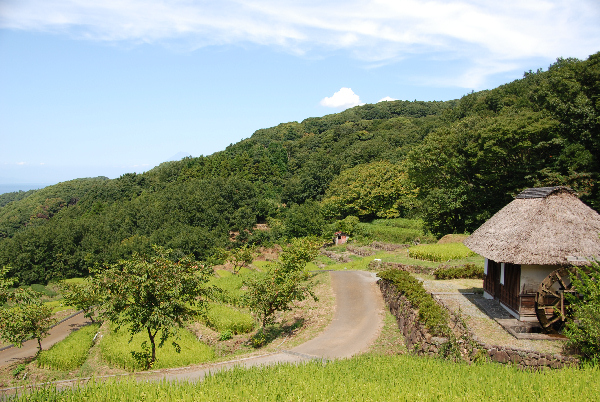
x=91, y=88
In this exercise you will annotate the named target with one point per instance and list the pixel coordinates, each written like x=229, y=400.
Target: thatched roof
x=545, y=226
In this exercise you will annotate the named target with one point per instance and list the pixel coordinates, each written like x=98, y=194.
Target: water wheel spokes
x=551, y=307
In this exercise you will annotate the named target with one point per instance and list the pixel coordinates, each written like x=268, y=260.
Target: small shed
x=541, y=230
x=340, y=238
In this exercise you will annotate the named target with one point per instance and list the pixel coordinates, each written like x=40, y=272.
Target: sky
x=102, y=88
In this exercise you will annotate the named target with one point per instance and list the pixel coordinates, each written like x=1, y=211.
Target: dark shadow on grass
x=272, y=332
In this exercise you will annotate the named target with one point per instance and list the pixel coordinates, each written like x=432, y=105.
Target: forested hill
x=452, y=163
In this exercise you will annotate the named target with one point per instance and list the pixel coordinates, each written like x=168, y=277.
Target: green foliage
x=5, y=284
x=584, y=330
x=36, y=287
x=440, y=252
x=26, y=317
x=84, y=295
x=153, y=295
x=70, y=353
x=348, y=225
x=284, y=282
x=222, y=319
x=468, y=271
x=120, y=349
x=240, y=257
x=375, y=189
x=230, y=288
x=398, y=231
x=434, y=317
x=304, y=220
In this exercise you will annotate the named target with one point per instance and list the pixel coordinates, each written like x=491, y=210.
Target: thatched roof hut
x=545, y=226
x=538, y=232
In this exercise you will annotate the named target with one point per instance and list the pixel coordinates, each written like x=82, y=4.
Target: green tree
x=153, y=294
x=284, y=282
x=84, y=296
x=375, y=189
x=5, y=284
x=26, y=317
x=584, y=330
x=304, y=220
x=240, y=257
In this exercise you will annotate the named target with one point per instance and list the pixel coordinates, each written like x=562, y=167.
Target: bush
x=434, y=317
x=227, y=319
x=584, y=330
x=467, y=271
x=440, y=252
x=70, y=353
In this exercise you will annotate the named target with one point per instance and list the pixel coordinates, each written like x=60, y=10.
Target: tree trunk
x=39, y=345
x=153, y=358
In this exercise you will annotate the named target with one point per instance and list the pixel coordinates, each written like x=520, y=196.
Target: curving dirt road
x=357, y=322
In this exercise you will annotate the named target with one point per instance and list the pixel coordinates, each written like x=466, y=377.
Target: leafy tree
x=5, y=284
x=153, y=294
x=84, y=296
x=284, y=282
x=304, y=220
x=26, y=318
x=375, y=189
x=584, y=330
x=241, y=257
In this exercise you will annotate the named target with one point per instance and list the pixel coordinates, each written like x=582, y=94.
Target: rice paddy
x=440, y=252
x=362, y=378
x=71, y=353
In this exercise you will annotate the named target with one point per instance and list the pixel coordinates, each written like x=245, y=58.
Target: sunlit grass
x=223, y=318
x=116, y=349
x=363, y=378
x=71, y=352
x=440, y=252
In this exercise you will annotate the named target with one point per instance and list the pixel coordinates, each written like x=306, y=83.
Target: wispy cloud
x=376, y=31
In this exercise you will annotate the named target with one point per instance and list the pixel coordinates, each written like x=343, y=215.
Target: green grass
x=116, y=349
x=223, y=318
x=399, y=231
x=70, y=353
x=58, y=305
x=363, y=378
x=440, y=252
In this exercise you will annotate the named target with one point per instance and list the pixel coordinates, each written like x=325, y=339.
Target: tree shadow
x=267, y=335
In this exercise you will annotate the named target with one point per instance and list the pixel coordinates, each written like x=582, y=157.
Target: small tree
x=284, y=282
x=241, y=257
x=153, y=295
x=27, y=317
x=584, y=330
x=5, y=284
x=84, y=296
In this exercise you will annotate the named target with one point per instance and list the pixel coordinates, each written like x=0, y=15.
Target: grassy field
x=440, y=252
x=398, y=231
x=71, y=353
x=364, y=378
x=116, y=349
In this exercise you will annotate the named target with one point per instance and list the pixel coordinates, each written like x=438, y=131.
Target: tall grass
x=440, y=252
x=223, y=318
x=399, y=231
x=116, y=349
x=363, y=378
x=71, y=352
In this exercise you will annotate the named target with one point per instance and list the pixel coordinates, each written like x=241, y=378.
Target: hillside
x=452, y=163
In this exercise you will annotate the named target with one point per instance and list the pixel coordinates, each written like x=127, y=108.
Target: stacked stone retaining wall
x=463, y=342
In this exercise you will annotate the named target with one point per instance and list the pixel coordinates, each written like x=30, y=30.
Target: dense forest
x=453, y=164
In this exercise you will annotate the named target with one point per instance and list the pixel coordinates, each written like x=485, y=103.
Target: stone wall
x=462, y=344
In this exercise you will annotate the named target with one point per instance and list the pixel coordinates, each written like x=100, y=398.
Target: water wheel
x=551, y=306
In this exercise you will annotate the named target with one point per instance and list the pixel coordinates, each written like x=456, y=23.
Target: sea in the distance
x=12, y=187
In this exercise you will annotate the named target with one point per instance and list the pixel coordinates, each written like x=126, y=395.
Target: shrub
x=467, y=271
x=440, y=252
x=584, y=331
x=43, y=290
x=434, y=317
x=70, y=353
x=227, y=319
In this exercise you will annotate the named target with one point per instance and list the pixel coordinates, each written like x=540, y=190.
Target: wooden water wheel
x=551, y=306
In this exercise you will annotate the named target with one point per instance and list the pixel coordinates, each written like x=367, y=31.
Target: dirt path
x=356, y=324
x=29, y=348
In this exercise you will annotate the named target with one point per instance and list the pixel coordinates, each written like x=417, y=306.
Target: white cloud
x=377, y=31
x=342, y=99
x=386, y=99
